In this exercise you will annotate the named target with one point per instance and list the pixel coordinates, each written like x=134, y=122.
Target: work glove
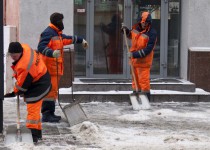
x=12, y=94
x=127, y=31
x=130, y=54
x=56, y=53
x=84, y=44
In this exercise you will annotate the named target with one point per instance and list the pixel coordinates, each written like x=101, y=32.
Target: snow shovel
x=138, y=100
x=73, y=112
x=18, y=133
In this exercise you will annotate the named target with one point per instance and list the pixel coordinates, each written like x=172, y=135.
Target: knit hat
x=15, y=47
x=57, y=19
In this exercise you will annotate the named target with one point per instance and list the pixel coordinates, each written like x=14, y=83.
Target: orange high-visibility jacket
x=33, y=79
x=52, y=39
x=143, y=44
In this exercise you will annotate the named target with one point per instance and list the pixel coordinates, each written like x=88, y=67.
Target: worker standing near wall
x=32, y=81
x=51, y=44
x=143, y=39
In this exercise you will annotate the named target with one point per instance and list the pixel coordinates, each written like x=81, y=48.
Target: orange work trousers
x=53, y=94
x=33, y=117
x=142, y=78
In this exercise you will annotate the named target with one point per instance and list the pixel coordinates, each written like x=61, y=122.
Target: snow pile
x=21, y=146
x=88, y=132
x=165, y=112
x=134, y=118
x=172, y=113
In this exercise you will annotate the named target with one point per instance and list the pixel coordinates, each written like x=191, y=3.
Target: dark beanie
x=55, y=17
x=15, y=47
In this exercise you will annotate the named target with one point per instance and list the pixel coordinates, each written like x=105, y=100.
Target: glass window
x=173, y=37
x=80, y=30
x=108, y=41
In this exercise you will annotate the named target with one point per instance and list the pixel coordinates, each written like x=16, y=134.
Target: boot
x=39, y=134
x=48, y=117
x=148, y=96
x=36, y=135
x=136, y=92
x=55, y=116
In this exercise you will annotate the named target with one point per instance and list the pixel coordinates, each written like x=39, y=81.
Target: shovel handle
x=18, y=112
x=58, y=85
x=132, y=69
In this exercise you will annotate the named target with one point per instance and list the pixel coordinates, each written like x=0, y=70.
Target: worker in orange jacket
x=32, y=81
x=51, y=44
x=143, y=38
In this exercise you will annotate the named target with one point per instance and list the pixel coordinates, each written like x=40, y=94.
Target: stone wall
x=199, y=67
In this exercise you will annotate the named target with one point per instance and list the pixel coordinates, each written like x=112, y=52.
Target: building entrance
x=99, y=21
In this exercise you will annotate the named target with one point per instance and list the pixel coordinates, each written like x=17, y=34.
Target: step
x=125, y=85
x=123, y=96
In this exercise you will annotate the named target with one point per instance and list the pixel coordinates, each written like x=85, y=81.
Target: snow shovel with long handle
x=18, y=133
x=73, y=112
x=138, y=100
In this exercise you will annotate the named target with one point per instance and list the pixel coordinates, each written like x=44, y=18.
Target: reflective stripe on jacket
x=31, y=74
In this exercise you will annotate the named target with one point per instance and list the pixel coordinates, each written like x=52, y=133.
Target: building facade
x=180, y=24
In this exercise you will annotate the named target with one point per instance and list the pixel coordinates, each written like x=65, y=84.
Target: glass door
x=99, y=21
x=105, y=59
x=80, y=29
x=173, y=38
x=166, y=21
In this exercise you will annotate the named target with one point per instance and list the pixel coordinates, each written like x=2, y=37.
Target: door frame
x=128, y=21
x=90, y=51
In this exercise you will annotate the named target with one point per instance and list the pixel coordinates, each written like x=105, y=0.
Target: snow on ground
x=115, y=126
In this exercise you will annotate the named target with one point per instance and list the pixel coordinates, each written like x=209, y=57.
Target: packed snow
x=115, y=126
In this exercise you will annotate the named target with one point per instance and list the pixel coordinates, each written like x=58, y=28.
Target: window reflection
x=173, y=38
x=80, y=29
x=108, y=44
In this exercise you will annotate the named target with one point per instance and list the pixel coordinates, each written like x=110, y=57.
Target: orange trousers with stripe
x=53, y=94
x=142, y=78
x=33, y=117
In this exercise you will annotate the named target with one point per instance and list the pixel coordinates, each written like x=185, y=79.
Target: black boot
x=39, y=134
x=36, y=135
x=136, y=92
x=148, y=96
x=48, y=117
x=55, y=116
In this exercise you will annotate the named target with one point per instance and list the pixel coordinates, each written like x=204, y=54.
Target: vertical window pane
x=80, y=30
x=173, y=37
x=108, y=44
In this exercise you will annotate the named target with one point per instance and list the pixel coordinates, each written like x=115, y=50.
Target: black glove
x=127, y=31
x=10, y=95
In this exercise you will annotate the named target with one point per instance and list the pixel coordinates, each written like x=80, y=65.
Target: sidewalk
x=115, y=126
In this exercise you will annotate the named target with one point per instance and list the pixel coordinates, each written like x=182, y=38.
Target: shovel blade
x=139, y=101
x=12, y=135
x=74, y=114
x=145, y=102
x=135, y=101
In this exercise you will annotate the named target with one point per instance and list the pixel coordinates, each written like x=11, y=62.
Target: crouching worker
x=32, y=81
